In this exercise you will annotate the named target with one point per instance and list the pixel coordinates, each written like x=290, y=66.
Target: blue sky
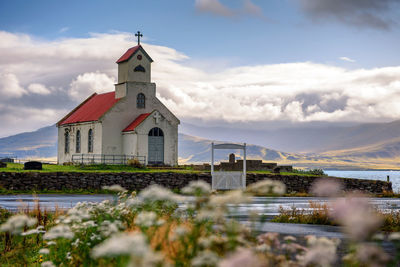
x=285, y=34
x=217, y=62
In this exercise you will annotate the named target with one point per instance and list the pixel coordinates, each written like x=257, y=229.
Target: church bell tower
x=133, y=66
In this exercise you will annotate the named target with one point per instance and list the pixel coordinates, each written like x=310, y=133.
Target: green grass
x=16, y=167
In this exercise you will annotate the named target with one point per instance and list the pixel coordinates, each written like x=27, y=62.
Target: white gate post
x=244, y=166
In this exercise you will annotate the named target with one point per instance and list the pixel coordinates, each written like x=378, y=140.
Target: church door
x=156, y=146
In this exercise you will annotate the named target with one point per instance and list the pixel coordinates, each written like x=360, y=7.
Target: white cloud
x=10, y=86
x=88, y=83
x=293, y=92
x=38, y=88
x=347, y=59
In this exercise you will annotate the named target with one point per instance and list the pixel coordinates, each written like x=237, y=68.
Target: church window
x=140, y=101
x=156, y=132
x=66, y=144
x=90, y=141
x=78, y=142
x=139, y=68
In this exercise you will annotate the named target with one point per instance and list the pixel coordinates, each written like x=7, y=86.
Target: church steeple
x=135, y=64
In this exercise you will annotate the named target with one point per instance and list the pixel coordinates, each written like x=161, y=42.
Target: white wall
x=84, y=128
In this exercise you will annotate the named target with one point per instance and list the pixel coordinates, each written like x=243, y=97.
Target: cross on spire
x=138, y=35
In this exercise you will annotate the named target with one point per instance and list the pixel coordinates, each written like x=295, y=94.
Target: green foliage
x=317, y=172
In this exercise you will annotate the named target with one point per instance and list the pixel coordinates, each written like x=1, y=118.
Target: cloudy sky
x=216, y=61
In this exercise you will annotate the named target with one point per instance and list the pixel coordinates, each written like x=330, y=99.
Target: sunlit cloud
x=57, y=75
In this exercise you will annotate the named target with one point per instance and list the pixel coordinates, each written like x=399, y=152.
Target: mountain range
x=363, y=146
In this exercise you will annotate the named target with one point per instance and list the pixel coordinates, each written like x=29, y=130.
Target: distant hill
x=368, y=146
x=303, y=138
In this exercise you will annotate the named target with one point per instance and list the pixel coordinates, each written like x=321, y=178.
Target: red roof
x=129, y=53
x=136, y=122
x=91, y=109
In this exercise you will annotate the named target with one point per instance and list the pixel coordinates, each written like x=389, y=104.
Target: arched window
x=90, y=140
x=156, y=132
x=78, y=142
x=66, y=142
x=139, y=68
x=140, y=101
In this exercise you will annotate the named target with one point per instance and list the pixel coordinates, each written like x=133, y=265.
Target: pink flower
x=242, y=257
x=326, y=188
x=359, y=219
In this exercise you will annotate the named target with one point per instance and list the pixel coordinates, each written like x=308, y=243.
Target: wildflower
x=231, y=197
x=51, y=243
x=16, y=224
x=68, y=256
x=289, y=238
x=179, y=232
x=215, y=214
x=122, y=244
x=326, y=188
x=47, y=264
x=76, y=243
x=114, y=188
x=204, y=242
x=44, y=251
x=146, y=219
x=321, y=252
x=394, y=236
x=108, y=228
x=38, y=230
x=263, y=248
x=205, y=258
x=267, y=187
x=158, y=193
x=197, y=188
x=271, y=239
x=59, y=231
x=371, y=255
x=357, y=217
x=243, y=257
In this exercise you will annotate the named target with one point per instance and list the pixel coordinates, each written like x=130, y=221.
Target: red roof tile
x=128, y=54
x=92, y=109
x=136, y=122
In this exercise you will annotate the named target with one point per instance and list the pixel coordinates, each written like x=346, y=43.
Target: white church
x=129, y=122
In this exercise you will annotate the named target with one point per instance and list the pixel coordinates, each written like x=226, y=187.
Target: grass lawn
x=16, y=167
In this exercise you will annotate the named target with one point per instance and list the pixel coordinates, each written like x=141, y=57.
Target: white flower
x=394, y=236
x=44, y=251
x=108, y=228
x=158, y=193
x=242, y=257
x=38, y=230
x=197, y=188
x=51, y=243
x=321, y=252
x=76, y=243
x=16, y=224
x=114, y=188
x=59, y=231
x=47, y=264
x=146, y=219
x=205, y=258
x=267, y=187
x=122, y=244
x=231, y=197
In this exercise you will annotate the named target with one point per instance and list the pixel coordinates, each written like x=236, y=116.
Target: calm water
x=370, y=175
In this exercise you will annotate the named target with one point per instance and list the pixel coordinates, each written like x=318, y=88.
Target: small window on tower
x=139, y=69
x=140, y=101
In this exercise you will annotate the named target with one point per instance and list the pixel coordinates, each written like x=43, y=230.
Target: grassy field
x=16, y=167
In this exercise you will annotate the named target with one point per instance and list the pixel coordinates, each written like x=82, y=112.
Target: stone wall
x=137, y=181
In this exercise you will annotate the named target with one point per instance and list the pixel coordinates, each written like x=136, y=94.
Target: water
x=370, y=175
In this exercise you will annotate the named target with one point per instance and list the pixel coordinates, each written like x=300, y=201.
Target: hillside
x=378, y=154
